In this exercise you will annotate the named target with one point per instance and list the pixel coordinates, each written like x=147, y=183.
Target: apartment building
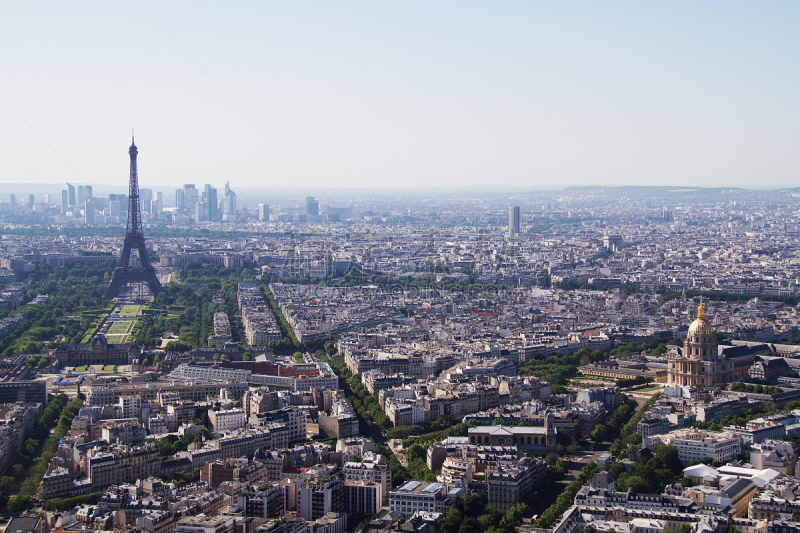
x=509, y=483
x=294, y=419
x=206, y=372
x=363, y=497
x=756, y=432
x=128, y=432
x=373, y=468
x=263, y=501
x=320, y=495
x=227, y=419
x=694, y=444
x=121, y=464
x=222, y=330
x=108, y=393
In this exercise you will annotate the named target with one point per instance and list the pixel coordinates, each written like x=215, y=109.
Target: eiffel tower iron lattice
x=134, y=238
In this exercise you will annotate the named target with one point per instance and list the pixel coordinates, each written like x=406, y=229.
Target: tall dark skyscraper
x=513, y=220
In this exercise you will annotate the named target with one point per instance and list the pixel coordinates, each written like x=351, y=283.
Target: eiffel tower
x=134, y=238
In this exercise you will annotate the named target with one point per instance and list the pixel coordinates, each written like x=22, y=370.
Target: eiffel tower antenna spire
x=134, y=238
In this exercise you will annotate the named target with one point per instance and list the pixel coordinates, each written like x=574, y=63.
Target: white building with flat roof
x=423, y=496
x=227, y=420
x=693, y=444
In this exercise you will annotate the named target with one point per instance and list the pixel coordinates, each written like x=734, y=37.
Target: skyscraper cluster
x=205, y=206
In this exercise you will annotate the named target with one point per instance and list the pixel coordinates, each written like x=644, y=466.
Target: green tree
x=513, y=516
x=600, y=433
x=451, y=522
x=8, y=485
x=17, y=470
x=573, y=449
x=416, y=451
x=669, y=456
x=472, y=504
x=20, y=503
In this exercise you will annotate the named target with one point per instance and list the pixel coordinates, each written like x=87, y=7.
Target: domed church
x=699, y=363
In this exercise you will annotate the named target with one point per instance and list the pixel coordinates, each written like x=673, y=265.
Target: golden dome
x=700, y=326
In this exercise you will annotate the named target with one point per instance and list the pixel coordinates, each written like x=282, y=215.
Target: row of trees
x=566, y=497
x=195, y=272
x=369, y=413
x=63, y=504
x=27, y=472
x=433, y=431
x=731, y=297
x=399, y=473
x=472, y=514
x=416, y=456
x=612, y=427
x=750, y=414
x=289, y=343
x=556, y=369
x=629, y=440
x=652, y=476
x=757, y=389
x=632, y=382
x=37, y=362
x=364, y=415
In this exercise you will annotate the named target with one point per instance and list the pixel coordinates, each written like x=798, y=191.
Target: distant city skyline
x=320, y=97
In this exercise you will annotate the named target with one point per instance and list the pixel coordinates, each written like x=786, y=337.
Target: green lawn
x=648, y=389
x=110, y=368
x=80, y=369
x=131, y=310
x=121, y=328
x=120, y=331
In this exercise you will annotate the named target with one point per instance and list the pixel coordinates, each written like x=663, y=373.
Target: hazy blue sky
x=405, y=93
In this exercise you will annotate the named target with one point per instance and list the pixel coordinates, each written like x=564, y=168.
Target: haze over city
x=411, y=94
